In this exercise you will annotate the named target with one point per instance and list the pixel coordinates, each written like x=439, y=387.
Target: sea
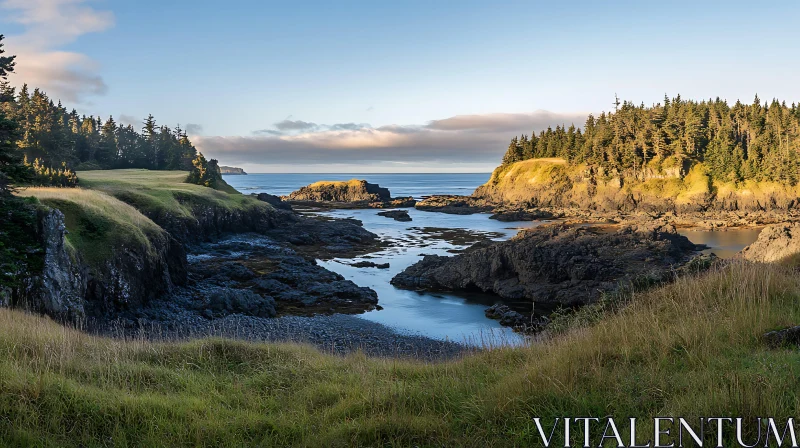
x=400, y=185
x=451, y=316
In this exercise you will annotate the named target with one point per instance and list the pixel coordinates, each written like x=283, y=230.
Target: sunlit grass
x=154, y=192
x=98, y=223
x=691, y=348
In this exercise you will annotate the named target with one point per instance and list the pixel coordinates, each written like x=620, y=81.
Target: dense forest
x=54, y=135
x=756, y=141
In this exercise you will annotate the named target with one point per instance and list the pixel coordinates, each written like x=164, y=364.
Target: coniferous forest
x=758, y=141
x=55, y=135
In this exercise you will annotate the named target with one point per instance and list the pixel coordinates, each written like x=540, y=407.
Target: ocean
x=400, y=185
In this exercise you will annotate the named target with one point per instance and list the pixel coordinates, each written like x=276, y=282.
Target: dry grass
x=691, y=348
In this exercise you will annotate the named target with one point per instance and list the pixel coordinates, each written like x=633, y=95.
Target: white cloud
x=465, y=141
x=48, y=25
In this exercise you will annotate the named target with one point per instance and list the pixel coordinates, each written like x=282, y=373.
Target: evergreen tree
x=11, y=167
x=759, y=141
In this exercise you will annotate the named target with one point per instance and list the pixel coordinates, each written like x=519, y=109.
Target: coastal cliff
x=98, y=263
x=119, y=246
x=231, y=170
x=553, y=183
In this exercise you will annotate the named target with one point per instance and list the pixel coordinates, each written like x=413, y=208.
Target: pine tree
x=12, y=169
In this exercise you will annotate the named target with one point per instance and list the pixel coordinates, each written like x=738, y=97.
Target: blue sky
x=356, y=86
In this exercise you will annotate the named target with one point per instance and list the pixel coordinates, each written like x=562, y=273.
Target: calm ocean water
x=440, y=315
x=400, y=185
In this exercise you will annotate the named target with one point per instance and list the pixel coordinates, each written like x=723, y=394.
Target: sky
x=407, y=86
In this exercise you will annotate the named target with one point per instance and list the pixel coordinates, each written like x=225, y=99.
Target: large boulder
x=775, y=243
x=556, y=265
x=353, y=190
x=274, y=201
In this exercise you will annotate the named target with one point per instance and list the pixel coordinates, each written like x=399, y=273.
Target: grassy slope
x=691, y=348
x=98, y=223
x=151, y=191
x=544, y=177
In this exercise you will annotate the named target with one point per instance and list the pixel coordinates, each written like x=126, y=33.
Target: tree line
x=744, y=141
x=51, y=134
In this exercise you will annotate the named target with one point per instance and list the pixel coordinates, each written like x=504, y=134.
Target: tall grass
x=691, y=348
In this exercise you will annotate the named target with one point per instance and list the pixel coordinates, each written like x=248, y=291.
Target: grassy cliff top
x=692, y=348
x=336, y=183
x=98, y=223
x=163, y=190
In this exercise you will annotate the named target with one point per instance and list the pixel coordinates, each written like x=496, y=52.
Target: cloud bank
x=467, y=142
x=48, y=25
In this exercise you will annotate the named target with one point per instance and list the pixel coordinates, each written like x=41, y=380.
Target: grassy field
x=163, y=191
x=692, y=348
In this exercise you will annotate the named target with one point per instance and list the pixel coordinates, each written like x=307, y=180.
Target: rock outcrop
x=60, y=289
x=274, y=201
x=72, y=288
x=349, y=194
x=397, y=215
x=454, y=205
x=353, y=190
x=776, y=243
x=555, y=265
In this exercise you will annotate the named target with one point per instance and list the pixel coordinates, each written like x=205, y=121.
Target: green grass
x=164, y=192
x=98, y=224
x=691, y=348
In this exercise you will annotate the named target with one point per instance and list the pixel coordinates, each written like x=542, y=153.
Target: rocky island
x=350, y=194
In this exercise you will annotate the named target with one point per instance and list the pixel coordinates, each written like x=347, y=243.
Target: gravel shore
x=337, y=334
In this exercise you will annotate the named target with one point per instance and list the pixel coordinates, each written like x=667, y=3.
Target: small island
x=231, y=170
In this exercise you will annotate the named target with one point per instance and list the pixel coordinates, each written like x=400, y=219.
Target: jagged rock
x=555, y=264
x=783, y=338
x=775, y=243
x=397, y=215
x=370, y=264
x=521, y=215
x=60, y=290
x=353, y=190
x=274, y=201
x=454, y=205
x=71, y=288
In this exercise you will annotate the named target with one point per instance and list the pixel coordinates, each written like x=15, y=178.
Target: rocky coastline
x=555, y=266
x=255, y=267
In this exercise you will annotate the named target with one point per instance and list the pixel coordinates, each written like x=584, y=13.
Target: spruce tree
x=12, y=170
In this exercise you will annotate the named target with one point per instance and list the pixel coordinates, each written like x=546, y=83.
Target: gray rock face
x=274, y=201
x=555, y=265
x=70, y=289
x=783, y=338
x=350, y=191
x=397, y=215
x=60, y=289
x=775, y=243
